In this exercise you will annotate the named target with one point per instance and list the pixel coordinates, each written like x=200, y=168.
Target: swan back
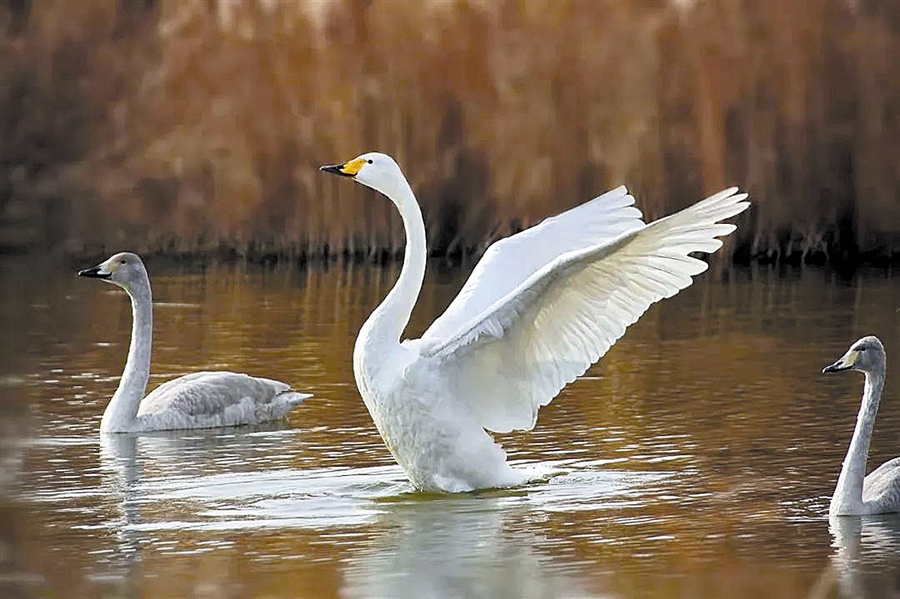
x=218, y=398
x=881, y=488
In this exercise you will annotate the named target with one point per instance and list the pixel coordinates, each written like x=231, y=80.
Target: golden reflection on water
x=695, y=460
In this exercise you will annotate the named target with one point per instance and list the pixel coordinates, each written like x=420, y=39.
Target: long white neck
x=383, y=328
x=122, y=410
x=848, y=492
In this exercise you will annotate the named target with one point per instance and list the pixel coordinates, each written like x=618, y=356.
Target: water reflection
x=214, y=481
x=158, y=490
x=120, y=479
x=699, y=455
x=866, y=560
x=459, y=547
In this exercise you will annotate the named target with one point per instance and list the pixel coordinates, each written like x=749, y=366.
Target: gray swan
x=197, y=400
x=878, y=493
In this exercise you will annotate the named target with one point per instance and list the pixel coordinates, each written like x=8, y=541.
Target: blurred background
x=191, y=127
x=698, y=456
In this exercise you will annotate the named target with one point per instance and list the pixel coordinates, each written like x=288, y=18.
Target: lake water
x=696, y=460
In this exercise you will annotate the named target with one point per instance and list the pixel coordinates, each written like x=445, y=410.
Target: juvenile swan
x=857, y=494
x=197, y=400
x=537, y=311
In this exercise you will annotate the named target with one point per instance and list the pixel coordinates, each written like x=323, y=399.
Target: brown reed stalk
x=190, y=126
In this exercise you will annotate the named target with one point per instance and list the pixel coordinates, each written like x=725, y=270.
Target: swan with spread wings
x=539, y=308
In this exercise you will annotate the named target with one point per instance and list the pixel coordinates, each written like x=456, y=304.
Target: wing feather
x=518, y=353
x=507, y=263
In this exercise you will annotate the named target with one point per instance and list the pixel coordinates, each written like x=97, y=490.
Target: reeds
x=196, y=126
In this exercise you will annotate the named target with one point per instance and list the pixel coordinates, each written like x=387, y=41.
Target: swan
x=197, y=400
x=878, y=493
x=539, y=308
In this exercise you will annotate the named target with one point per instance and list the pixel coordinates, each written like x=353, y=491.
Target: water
x=695, y=460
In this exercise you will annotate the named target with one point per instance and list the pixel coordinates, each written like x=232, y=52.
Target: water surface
x=695, y=460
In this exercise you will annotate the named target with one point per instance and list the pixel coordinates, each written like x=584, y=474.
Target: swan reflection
x=865, y=563
x=458, y=547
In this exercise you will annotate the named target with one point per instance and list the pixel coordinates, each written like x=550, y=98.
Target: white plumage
x=537, y=311
x=197, y=400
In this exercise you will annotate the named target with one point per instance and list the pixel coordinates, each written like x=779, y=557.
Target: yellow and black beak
x=847, y=362
x=347, y=169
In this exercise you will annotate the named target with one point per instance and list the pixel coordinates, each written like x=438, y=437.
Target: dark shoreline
x=266, y=258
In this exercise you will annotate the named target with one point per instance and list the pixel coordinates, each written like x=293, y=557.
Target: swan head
x=866, y=355
x=123, y=269
x=376, y=170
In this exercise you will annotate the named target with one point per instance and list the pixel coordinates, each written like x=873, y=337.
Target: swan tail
x=286, y=401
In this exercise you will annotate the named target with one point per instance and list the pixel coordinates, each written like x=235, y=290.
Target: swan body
x=197, y=400
x=878, y=493
x=539, y=308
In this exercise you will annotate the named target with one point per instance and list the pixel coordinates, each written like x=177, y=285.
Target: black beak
x=336, y=169
x=836, y=367
x=94, y=273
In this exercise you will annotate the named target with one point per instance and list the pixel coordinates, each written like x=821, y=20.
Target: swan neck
x=849, y=490
x=121, y=413
x=388, y=321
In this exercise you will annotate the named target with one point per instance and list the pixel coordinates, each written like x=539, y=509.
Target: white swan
x=197, y=400
x=537, y=311
x=878, y=493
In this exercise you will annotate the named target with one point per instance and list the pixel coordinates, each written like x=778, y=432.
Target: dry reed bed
x=196, y=126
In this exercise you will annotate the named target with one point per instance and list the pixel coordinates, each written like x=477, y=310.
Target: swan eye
x=369, y=161
x=863, y=348
x=122, y=261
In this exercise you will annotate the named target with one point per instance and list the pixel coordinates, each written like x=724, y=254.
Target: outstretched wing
x=508, y=262
x=519, y=353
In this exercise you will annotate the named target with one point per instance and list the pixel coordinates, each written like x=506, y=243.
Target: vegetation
x=196, y=126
